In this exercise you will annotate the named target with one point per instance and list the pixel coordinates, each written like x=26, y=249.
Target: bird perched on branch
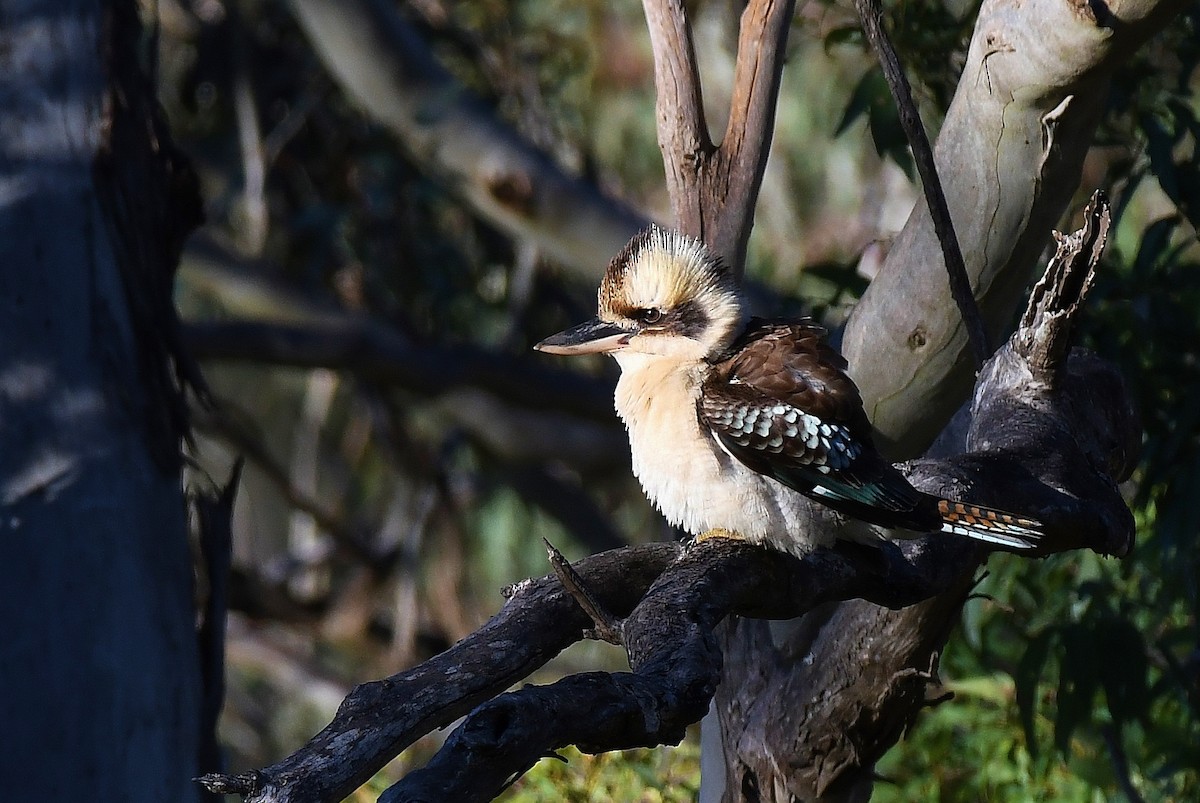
x=734, y=421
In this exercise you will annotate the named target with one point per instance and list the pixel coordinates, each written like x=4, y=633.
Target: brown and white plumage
x=735, y=423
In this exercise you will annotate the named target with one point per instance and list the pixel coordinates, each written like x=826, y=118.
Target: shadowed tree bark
x=100, y=672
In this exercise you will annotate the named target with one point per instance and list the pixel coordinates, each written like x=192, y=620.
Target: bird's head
x=666, y=295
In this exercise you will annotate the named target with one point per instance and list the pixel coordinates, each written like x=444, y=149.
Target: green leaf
x=865, y=93
x=849, y=34
x=1124, y=675
x=1027, y=677
x=1154, y=242
x=1160, y=146
x=1078, y=678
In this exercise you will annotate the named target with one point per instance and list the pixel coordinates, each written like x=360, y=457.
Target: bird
x=735, y=422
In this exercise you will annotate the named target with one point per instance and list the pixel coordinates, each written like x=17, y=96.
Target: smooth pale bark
x=381, y=63
x=1009, y=154
x=99, y=684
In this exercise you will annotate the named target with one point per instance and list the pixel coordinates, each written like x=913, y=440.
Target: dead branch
x=1057, y=300
x=381, y=718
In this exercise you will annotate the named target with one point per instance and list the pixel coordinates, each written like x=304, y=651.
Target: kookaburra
x=734, y=421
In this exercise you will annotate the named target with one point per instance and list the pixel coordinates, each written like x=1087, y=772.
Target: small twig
x=214, y=524
x=870, y=12
x=608, y=627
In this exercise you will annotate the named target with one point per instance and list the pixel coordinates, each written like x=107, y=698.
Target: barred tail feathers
x=989, y=525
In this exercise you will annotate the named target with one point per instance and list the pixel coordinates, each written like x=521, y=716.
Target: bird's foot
x=719, y=532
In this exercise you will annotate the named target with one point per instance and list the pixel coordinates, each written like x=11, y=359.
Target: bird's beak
x=591, y=337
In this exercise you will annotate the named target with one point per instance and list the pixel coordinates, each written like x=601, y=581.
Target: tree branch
x=381, y=355
x=382, y=63
x=742, y=159
x=870, y=12
x=381, y=718
x=713, y=188
x=683, y=135
x=1013, y=140
x=1081, y=431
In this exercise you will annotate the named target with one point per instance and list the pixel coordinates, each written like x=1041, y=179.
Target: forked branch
x=713, y=187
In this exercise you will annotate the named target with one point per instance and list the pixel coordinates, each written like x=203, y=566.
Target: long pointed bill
x=592, y=337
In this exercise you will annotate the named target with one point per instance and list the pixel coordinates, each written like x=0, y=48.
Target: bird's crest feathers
x=660, y=268
x=676, y=275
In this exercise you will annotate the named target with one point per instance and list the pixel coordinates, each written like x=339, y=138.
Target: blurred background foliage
x=377, y=522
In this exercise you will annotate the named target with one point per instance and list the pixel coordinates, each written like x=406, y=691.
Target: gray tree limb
x=713, y=187
x=382, y=63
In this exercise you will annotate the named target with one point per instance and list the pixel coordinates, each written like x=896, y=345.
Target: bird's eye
x=652, y=315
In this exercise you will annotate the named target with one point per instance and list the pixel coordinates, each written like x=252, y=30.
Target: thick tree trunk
x=99, y=678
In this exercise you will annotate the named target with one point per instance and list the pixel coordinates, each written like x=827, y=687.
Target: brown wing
x=782, y=404
x=790, y=362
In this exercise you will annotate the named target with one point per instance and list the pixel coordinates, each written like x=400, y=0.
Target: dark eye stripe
x=690, y=319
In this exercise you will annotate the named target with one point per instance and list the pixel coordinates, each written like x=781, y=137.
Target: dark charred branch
x=381, y=718
x=667, y=631
x=675, y=658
